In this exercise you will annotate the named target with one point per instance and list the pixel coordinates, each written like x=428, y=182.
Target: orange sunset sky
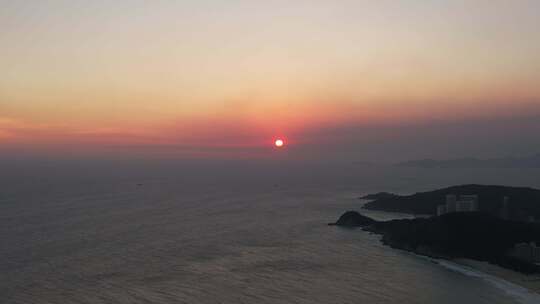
x=225, y=78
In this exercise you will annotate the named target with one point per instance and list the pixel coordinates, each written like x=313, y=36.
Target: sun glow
x=279, y=143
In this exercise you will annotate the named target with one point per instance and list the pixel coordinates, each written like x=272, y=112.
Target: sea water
x=220, y=233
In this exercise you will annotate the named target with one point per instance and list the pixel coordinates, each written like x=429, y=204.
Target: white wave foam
x=523, y=295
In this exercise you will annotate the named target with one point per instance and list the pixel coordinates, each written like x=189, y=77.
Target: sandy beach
x=531, y=282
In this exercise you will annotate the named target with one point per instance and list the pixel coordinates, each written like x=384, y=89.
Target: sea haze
x=219, y=233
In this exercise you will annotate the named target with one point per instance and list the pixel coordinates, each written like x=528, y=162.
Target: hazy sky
x=355, y=80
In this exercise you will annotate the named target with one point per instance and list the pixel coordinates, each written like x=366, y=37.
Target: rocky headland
x=471, y=235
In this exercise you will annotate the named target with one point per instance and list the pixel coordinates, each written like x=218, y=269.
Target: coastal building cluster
x=528, y=252
x=463, y=203
x=469, y=203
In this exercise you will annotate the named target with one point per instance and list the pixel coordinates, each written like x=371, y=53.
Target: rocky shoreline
x=473, y=236
x=417, y=236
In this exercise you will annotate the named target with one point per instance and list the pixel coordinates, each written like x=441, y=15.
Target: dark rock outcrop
x=353, y=219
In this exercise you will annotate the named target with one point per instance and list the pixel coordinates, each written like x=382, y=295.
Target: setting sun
x=202, y=151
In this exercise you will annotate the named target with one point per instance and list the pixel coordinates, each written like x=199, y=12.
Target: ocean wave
x=522, y=294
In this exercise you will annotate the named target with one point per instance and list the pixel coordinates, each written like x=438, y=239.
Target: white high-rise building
x=451, y=203
x=441, y=209
x=465, y=203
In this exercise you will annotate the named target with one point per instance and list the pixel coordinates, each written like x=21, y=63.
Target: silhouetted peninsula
x=376, y=196
x=353, y=219
x=470, y=235
x=522, y=202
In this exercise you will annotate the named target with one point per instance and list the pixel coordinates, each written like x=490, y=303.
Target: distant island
x=472, y=235
x=513, y=203
x=505, y=162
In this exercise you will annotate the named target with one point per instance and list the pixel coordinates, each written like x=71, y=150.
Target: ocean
x=167, y=232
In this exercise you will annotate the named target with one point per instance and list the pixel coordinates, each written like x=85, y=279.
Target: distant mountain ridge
x=505, y=162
